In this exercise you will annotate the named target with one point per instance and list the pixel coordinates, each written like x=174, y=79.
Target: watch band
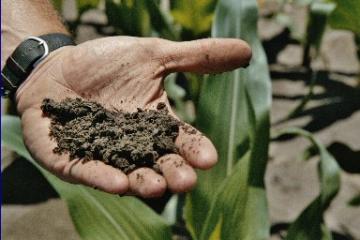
x=26, y=57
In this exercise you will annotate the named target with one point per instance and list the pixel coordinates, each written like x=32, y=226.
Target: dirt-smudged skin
x=88, y=131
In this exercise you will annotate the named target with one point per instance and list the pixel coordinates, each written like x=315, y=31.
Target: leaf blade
x=233, y=112
x=194, y=16
x=310, y=224
x=346, y=15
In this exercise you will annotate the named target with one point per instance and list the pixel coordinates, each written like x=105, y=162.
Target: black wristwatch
x=26, y=57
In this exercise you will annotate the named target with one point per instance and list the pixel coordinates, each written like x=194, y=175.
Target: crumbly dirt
x=88, y=131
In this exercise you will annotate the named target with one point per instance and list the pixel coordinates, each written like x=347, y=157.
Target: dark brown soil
x=127, y=141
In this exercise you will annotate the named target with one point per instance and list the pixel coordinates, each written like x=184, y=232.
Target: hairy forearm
x=23, y=18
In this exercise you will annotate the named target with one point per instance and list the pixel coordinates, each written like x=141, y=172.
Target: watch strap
x=26, y=56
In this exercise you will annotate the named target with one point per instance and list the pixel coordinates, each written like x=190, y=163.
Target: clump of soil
x=127, y=141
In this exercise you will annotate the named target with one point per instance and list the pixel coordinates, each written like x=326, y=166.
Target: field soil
x=86, y=130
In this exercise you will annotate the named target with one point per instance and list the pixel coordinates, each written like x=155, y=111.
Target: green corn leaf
x=193, y=15
x=316, y=25
x=96, y=215
x=160, y=21
x=57, y=5
x=310, y=224
x=319, y=12
x=177, y=95
x=346, y=15
x=306, y=99
x=84, y=5
x=129, y=17
x=229, y=200
x=300, y=2
x=139, y=18
x=173, y=90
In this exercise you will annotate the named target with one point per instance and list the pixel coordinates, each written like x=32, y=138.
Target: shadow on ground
x=22, y=183
x=338, y=100
x=280, y=229
x=347, y=158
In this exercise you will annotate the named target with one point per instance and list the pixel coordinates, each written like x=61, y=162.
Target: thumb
x=206, y=55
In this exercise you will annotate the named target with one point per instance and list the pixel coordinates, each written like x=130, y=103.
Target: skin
x=122, y=72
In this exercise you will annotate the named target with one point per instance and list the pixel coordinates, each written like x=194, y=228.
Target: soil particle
x=86, y=130
x=139, y=178
x=178, y=164
x=188, y=129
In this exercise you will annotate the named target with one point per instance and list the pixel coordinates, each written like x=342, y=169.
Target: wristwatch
x=26, y=57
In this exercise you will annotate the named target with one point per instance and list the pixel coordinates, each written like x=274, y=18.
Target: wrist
x=12, y=39
x=44, y=80
x=26, y=57
x=22, y=19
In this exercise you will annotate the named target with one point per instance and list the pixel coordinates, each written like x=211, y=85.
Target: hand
x=126, y=73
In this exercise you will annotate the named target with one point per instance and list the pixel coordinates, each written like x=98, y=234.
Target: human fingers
x=197, y=149
x=179, y=175
x=211, y=55
x=146, y=183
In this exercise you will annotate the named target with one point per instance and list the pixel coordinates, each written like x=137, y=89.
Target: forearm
x=23, y=18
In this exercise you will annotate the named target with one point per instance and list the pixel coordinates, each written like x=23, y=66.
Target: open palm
x=125, y=73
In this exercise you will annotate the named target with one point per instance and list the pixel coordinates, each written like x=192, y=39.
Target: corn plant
x=233, y=112
x=321, y=14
